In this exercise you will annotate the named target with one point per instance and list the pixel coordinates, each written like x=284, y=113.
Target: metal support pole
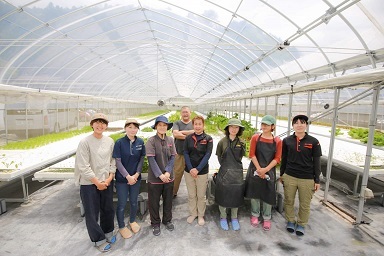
x=309, y=106
x=331, y=144
x=250, y=110
x=289, y=114
x=239, y=109
x=25, y=194
x=245, y=108
x=372, y=125
x=356, y=184
x=275, y=114
x=257, y=112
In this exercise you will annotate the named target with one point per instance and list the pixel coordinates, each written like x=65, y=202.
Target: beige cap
x=99, y=116
x=131, y=121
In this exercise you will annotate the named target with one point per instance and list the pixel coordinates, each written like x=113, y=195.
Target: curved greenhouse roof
x=193, y=51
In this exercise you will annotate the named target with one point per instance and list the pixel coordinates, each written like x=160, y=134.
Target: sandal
x=254, y=221
x=135, y=227
x=267, y=225
x=224, y=224
x=300, y=230
x=104, y=247
x=125, y=232
x=290, y=227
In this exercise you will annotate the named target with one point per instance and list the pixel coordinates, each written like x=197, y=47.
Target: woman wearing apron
x=229, y=190
x=265, y=154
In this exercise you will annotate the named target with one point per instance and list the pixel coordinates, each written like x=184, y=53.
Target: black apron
x=257, y=187
x=229, y=190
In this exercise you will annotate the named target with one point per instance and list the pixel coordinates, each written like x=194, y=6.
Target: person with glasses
x=299, y=172
x=94, y=171
x=197, y=151
x=161, y=151
x=129, y=152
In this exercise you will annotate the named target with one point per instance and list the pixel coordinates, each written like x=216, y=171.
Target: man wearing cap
x=161, y=151
x=129, y=152
x=94, y=172
x=181, y=129
x=299, y=171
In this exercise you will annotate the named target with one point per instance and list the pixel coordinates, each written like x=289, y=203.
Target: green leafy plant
x=152, y=114
x=45, y=139
x=7, y=165
x=337, y=132
x=362, y=135
x=147, y=129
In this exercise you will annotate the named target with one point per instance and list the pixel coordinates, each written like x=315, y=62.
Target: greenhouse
x=63, y=61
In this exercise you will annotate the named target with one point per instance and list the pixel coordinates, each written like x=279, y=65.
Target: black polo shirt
x=301, y=158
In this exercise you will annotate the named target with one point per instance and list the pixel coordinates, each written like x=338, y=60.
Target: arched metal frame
x=232, y=63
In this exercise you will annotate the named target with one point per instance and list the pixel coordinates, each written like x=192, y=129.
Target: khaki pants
x=178, y=171
x=197, y=189
x=306, y=190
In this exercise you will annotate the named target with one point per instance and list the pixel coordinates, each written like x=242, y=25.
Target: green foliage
x=117, y=136
x=215, y=123
x=147, y=129
x=152, y=114
x=9, y=165
x=358, y=133
x=45, y=139
x=362, y=135
x=174, y=117
x=337, y=132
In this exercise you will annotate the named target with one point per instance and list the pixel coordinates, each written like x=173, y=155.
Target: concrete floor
x=50, y=224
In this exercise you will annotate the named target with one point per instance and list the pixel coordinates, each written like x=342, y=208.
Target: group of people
x=100, y=162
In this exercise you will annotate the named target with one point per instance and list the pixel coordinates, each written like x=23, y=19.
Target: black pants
x=154, y=192
x=97, y=202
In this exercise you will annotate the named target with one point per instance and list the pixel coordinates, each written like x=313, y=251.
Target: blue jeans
x=124, y=191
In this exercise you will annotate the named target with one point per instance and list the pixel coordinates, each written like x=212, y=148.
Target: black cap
x=300, y=117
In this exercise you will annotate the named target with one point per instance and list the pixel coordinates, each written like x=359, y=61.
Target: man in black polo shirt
x=299, y=171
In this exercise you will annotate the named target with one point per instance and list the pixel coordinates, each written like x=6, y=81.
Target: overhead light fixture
x=328, y=15
x=283, y=45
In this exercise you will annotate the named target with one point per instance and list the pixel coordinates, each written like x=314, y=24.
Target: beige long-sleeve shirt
x=94, y=159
